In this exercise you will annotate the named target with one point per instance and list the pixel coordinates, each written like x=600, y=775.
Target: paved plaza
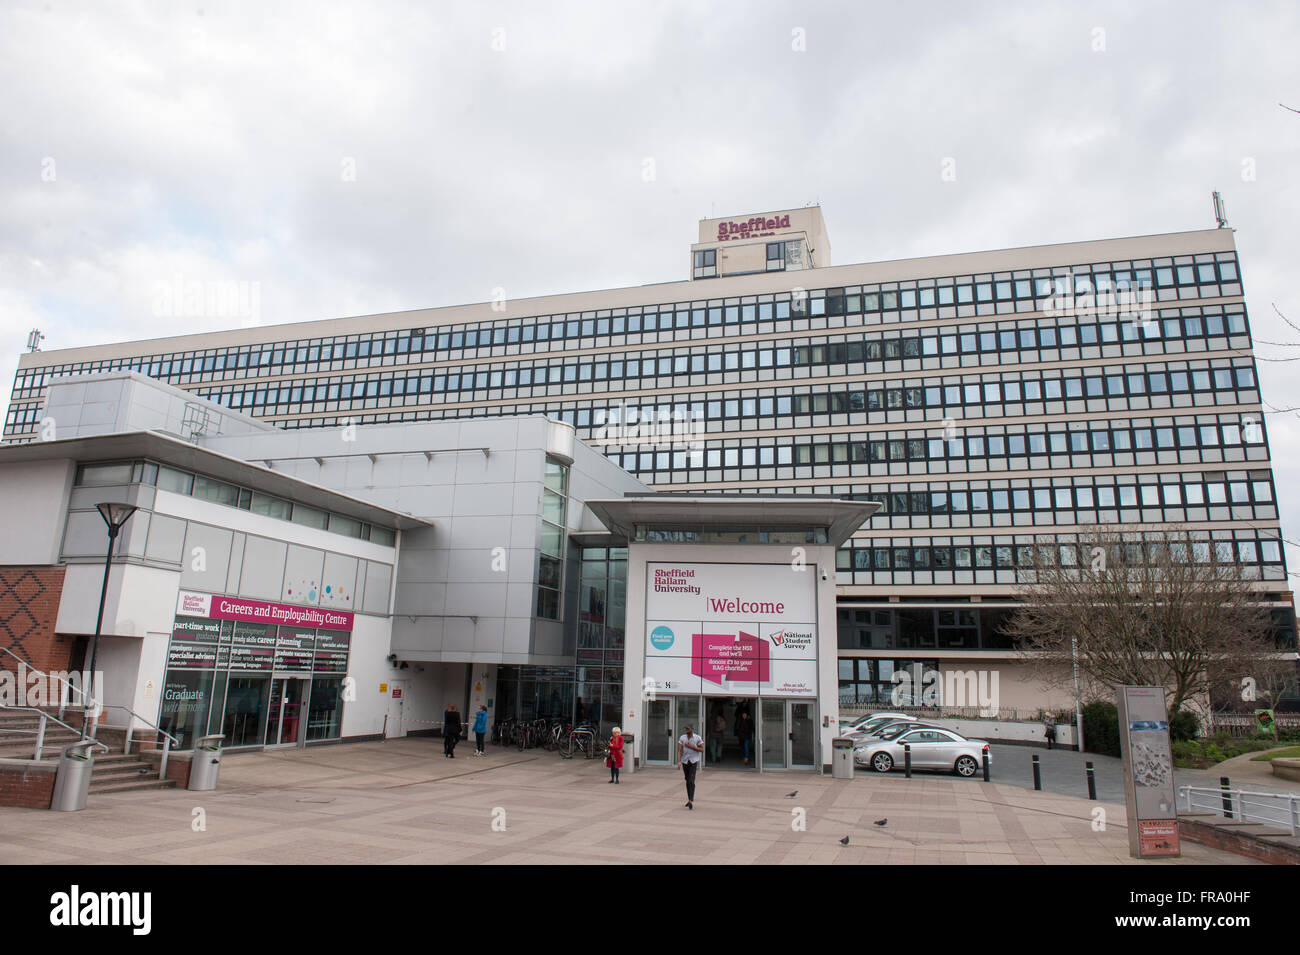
x=400, y=801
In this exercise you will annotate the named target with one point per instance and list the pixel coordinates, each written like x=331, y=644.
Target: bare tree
x=1271, y=677
x=1168, y=608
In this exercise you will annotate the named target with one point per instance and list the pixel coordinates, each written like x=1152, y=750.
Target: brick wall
x=29, y=606
x=1245, y=841
x=27, y=787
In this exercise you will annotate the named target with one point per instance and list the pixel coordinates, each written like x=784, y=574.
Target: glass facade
x=255, y=683
x=592, y=689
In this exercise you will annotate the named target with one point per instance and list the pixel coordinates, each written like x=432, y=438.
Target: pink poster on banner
x=720, y=657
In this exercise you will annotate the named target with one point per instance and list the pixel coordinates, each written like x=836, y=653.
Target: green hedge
x=1101, y=729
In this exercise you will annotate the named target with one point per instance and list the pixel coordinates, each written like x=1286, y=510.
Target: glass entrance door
x=284, y=721
x=803, y=735
x=773, y=734
x=660, y=744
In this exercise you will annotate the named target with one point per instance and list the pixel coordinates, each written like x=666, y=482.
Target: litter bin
x=72, y=782
x=629, y=753
x=206, y=763
x=842, y=757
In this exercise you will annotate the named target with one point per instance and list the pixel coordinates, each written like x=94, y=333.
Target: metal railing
x=1278, y=810
x=63, y=691
x=39, y=732
x=168, y=739
x=94, y=709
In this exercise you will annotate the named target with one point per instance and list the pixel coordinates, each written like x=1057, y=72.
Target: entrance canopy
x=733, y=518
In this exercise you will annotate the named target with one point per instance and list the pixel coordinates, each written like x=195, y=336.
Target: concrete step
x=124, y=770
x=98, y=789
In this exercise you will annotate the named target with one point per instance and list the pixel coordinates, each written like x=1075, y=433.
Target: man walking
x=689, y=748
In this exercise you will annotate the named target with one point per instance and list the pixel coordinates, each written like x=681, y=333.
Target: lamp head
x=116, y=514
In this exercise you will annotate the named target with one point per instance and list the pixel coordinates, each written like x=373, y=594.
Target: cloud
x=506, y=145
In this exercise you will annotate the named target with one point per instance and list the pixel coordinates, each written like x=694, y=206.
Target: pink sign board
x=718, y=657
x=216, y=607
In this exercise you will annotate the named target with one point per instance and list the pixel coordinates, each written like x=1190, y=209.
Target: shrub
x=1183, y=725
x=1101, y=728
x=1187, y=750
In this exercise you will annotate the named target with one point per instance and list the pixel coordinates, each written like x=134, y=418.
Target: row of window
x=1102, y=492
x=1056, y=439
x=1004, y=553
x=1055, y=290
x=219, y=492
x=296, y=397
x=965, y=341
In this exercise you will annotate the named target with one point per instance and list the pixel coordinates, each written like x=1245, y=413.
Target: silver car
x=932, y=748
x=863, y=723
x=886, y=729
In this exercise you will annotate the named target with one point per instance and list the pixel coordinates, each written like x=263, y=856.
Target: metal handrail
x=1240, y=804
x=40, y=730
x=62, y=697
x=126, y=746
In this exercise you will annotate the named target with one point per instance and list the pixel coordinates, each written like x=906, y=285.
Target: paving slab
x=402, y=802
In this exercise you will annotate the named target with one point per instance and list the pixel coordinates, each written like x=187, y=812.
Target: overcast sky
x=370, y=157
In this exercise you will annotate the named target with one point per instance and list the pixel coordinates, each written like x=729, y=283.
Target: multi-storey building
x=988, y=401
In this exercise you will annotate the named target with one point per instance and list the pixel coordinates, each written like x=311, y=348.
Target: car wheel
x=882, y=763
x=966, y=766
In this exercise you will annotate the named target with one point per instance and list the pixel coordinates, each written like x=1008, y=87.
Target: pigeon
x=880, y=822
x=844, y=841
x=792, y=795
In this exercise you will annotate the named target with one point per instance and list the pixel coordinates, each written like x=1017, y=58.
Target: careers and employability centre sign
x=217, y=607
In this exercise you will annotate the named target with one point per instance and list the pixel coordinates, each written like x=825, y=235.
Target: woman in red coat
x=615, y=758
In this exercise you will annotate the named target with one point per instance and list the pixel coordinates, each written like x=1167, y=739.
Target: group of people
x=742, y=727
x=451, y=729
x=690, y=746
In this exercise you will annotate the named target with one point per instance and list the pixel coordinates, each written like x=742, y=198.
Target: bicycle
x=583, y=739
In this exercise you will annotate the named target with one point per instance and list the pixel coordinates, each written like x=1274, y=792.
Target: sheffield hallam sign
x=752, y=227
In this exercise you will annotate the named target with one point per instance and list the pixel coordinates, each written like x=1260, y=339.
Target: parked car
x=889, y=728
x=860, y=724
x=932, y=748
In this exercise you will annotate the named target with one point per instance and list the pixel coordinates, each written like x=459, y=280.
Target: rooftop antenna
x=1220, y=211
x=34, y=340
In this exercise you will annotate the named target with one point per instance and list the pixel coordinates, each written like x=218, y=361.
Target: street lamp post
x=114, y=515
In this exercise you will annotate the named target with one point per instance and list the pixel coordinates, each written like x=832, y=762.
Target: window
x=706, y=263
x=776, y=256
x=550, y=559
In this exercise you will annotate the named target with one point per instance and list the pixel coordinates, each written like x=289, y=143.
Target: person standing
x=689, y=748
x=1049, y=729
x=450, y=731
x=615, y=758
x=480, y=730
x=745, y=733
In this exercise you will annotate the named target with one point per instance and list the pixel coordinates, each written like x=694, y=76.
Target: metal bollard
x=1038, y=779
x=1227, y=797
x=1092, y=781
x=986, y=765
x=907, y=760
